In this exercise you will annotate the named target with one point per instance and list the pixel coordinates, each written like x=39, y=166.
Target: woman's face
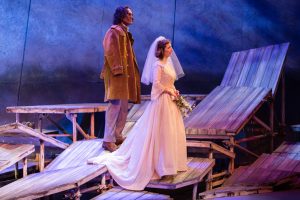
x=168, y=50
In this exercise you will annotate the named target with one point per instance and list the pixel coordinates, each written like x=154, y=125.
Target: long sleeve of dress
x=157, y=87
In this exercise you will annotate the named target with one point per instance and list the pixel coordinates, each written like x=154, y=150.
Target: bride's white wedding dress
x=156, y=145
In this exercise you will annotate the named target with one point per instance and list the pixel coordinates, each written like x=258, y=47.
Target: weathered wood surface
x=225, y=110
x=234, y=191
x=50, y=182
x=12, y=153
x=119, y=193
x=77, y=154
x=67, y=171
x=283, y=165
x=259, y=67
x=210, y=145
x=59, y=108
x=16, y=128
x=197, y=169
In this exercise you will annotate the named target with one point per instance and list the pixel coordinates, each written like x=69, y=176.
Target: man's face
x=128, y=19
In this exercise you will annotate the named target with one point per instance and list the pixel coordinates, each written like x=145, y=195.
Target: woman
x=156, y=145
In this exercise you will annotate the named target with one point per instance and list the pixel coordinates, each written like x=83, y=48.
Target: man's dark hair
x=119, y=15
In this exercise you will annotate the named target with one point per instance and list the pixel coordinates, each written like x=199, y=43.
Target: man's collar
x=125, y=28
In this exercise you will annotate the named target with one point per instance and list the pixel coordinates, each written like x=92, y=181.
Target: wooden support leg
x=92, y=125
x=231, y=148
x=283, y=103
x=17, y=117
x=209, y=177
x=272, y=125
x=16, y=170
x=42, y=156
x=24, y=167
x=74, y=122
x=195, y=188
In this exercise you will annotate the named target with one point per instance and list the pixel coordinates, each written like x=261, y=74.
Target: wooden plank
x=13, y=153
x=50, y=182
x=252, y=73
x=59, y=108
x=205, y=106
x=197, y=169
x=77, y=154
x=257, y=100
x=42, y=136
x=230, y=68
x=210, y=145
x=238, y=68
x=262, y=68
x=245, y=69
x=278, y=68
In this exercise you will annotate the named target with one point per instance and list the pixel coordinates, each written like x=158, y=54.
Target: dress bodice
x=163, y=78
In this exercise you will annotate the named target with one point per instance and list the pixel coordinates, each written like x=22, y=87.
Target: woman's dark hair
x=119, y=15
x=160, y=49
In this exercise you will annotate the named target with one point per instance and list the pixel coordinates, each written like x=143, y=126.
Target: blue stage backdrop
x=51, y=51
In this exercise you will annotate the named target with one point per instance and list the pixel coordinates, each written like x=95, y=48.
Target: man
x=121, y=77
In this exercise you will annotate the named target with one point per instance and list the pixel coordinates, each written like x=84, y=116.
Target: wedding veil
x=147, y=75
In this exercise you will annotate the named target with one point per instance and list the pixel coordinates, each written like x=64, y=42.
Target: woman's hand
x=172, y=92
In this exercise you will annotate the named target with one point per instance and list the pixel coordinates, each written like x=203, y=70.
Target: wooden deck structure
x=12, y=154
x=251, y=79
x=68, y=171
x=282, y=167
x=20, y=130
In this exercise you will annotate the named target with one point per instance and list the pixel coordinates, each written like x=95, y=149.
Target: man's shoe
x=109, y=146
x=119, y=141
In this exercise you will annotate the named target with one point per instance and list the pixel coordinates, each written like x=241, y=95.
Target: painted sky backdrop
x=51, y=51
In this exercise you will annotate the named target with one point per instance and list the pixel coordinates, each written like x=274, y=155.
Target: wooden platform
x=69, y=110
x=68, y=171
x=119, y=193
x=11, y=154
x=282, y=167
x=198, y=168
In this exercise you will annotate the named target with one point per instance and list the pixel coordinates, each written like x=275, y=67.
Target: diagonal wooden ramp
x=69, y=170
x=10, y=154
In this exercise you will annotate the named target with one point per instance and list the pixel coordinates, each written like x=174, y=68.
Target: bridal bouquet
x=183, y=105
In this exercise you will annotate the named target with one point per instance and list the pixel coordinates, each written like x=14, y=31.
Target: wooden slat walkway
x=119, y=193
x=69, y=170
x=224, y=111
x=13, y=153
x=283, y=165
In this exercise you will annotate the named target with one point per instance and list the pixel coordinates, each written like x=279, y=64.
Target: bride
x=156, y=145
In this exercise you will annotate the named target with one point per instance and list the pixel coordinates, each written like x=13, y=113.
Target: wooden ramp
x=118, y=193
x=250, y=80
x=282, y=167
x=11, y=154
x=68, y=171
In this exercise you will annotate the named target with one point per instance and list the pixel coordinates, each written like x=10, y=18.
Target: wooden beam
x=246, y=150
x=260, y=122
x=92, y=125
x=256, y=137
x=25, y=167
x=42, y=156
